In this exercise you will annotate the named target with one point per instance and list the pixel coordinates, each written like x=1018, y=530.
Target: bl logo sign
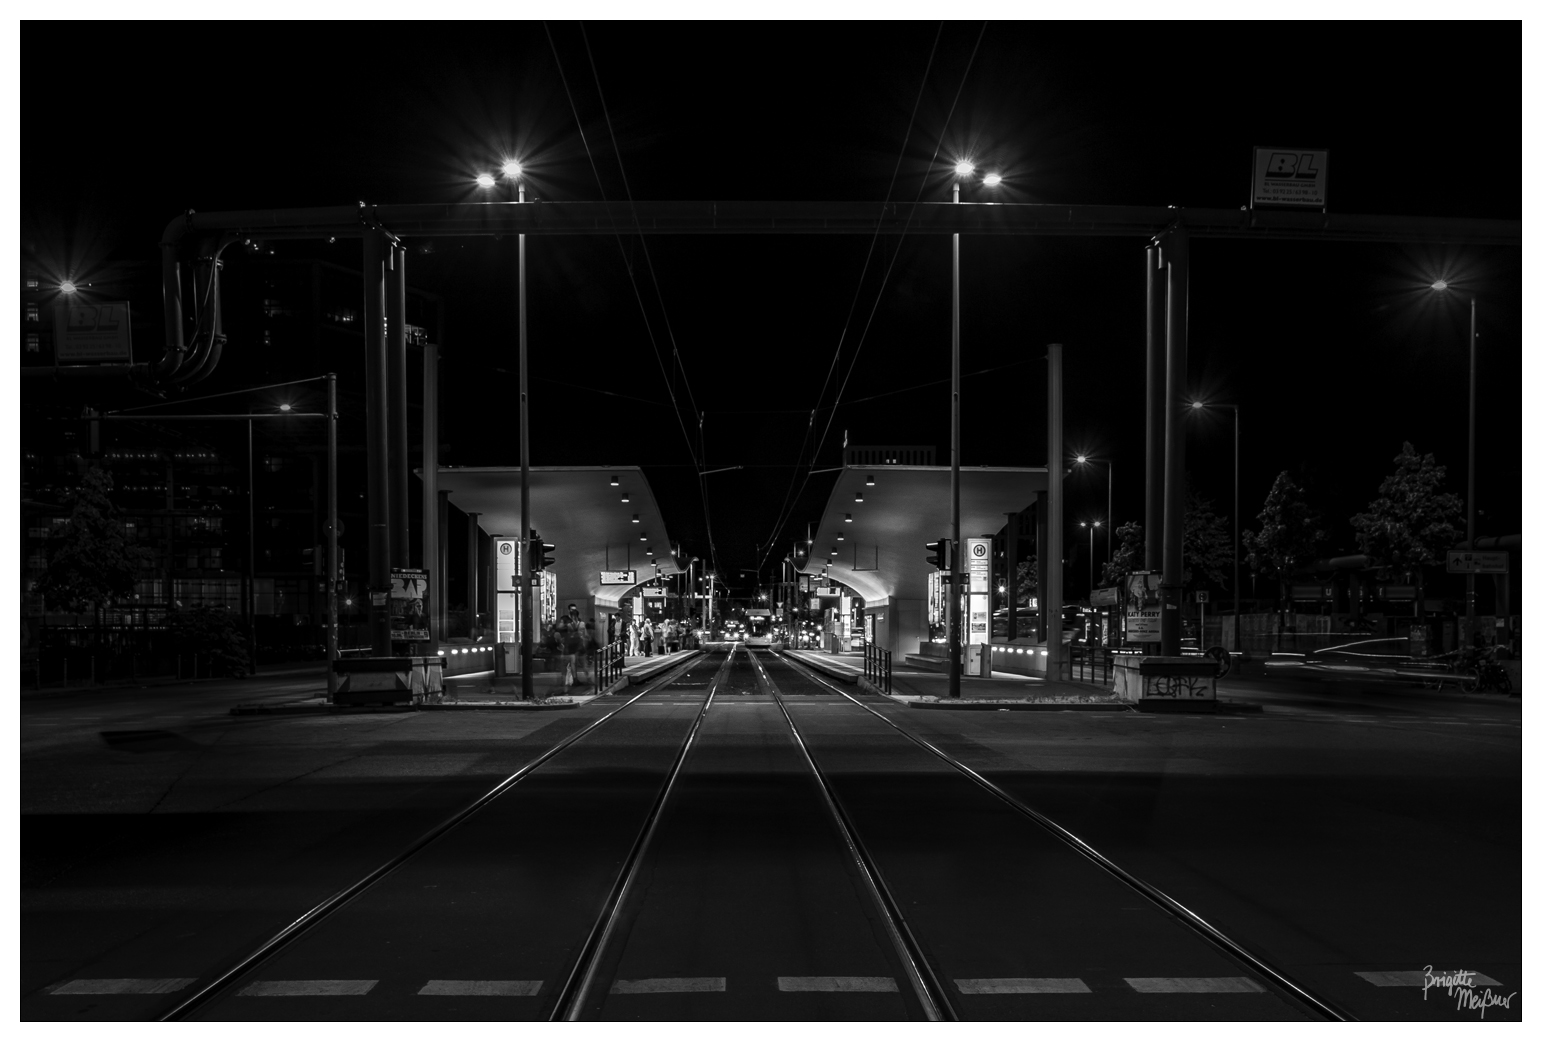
x=1290, y=177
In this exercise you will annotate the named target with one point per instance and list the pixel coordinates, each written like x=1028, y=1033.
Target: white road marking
x=124, y=986
x=836, y=984
x=1201, y=985
x=1023, y=986
x=1415, y=978
x=505, y=988
x=290, y=988
x=659, y=985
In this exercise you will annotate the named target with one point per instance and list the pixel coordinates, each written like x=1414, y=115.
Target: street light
x=1091, y=582
x=1083, y=461
x=1236, y=516
x=485, y=180
x=67, y=286
x=1441, y=286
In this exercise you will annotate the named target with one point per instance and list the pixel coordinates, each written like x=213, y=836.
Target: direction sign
x=1495, y=562
x=92, y=332
x=626, y=578
x=1295, y=177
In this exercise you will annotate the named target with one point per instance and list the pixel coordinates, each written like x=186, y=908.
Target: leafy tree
x=1027, y=584
x=214, y=633
x=1411, y=523
x=1206, y=543
x=91, y=564
x=1129, y=555
x=1289, y=537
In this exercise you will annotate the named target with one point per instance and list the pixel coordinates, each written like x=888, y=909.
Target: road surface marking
x=1204, y=985
x=518, y=988
x=658, y=985
x=289, y=988
x=124, y=986
x=1023, y=986
x=1415, y=978
x=836, y=984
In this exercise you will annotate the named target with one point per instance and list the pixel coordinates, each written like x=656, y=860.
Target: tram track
x=1296, y=993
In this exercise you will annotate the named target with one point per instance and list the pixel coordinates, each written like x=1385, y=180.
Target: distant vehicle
x=758, y=633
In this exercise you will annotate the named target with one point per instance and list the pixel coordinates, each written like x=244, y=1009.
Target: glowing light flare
x=486, y=180
x=963, y=168
x=512, y=169
x=1440, y=285
x=992, y=180
x=285, y=407
x=67, y=286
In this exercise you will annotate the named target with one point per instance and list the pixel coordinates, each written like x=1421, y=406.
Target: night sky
x=1336, y=353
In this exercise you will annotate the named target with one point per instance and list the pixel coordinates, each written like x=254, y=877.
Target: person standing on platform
x=647, y=637
x=633, y=636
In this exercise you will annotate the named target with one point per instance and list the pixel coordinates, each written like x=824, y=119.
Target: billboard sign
x=409, y=604
x=1105, y=596
x=628, y=578
x=1143, y=626
x=92, y=332
x=1293, y=177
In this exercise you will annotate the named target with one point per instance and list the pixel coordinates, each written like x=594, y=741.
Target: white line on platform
x=124, y=986
x=1415, y=978
x=836, y=984
x=660, y=985
x=291, y=988
x=1200, y=985
x=1023, y=986
x=502, y=988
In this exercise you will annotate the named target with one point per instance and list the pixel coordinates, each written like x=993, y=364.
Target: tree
x=1129, y=556
x=91, y=564
x=1027, y=584
x=1206, y=543
x=1290, y=535
x=1411, y=523
x=214, y=633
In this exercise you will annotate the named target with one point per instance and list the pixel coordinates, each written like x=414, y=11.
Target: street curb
x=828, y=670
x=979, y=706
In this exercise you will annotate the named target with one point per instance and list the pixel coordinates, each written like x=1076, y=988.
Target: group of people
x=571, y=643
x=645, y=637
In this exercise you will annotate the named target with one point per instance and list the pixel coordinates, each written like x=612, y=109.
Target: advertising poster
x=409, y=604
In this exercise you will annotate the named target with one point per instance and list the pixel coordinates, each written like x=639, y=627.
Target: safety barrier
x=1085, y=661
x=609, y=661
x=877, y=668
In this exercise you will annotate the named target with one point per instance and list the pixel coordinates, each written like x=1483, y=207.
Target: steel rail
x=578, y=989
x=923, y=979
x=1322, y=1007
x=284, y=937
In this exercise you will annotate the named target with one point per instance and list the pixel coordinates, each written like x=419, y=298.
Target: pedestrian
x=647, y=638
x=673, y=637
x=578, y=649
x=565, y=650
x=591, y=646
x=633, y=636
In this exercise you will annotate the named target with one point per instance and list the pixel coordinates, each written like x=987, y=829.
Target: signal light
x=938, y=554
x=539, y=561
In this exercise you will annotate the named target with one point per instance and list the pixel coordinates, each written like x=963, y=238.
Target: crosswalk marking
x=658, y=985
x=123, y=986
x=500, y=988
x=1415, y=978
x=836, y=984
x=292, y=988
x=1024, y=986
x=1200, y=985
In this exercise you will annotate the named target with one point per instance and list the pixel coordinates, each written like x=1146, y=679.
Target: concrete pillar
x=1175, y=258
x=1051, y=565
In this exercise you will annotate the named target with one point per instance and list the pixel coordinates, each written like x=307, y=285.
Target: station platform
x=926, y=689
x=485, y=692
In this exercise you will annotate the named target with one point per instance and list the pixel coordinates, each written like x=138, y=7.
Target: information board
x=92, y=332
x=628, y=578
x=409, y=604
x=1493, y=562
x=1292, y=177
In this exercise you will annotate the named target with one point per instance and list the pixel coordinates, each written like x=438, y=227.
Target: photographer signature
x=1462, y=985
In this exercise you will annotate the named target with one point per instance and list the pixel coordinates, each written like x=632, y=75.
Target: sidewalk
x=921, y=689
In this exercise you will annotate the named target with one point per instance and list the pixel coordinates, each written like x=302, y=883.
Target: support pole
x=1236, y=531
x=1175, y=257
x=377, y=438
x=527, y=572
x=473, y=558
x=430, y=523
x=1041, y=554
x=251, y=547
x=331, y=571
x=396, y=338
x=1012, y=523
x=1472, y=466
x=955, y=566
x=1156, y=412
x=1051, y=570
x=442, y=564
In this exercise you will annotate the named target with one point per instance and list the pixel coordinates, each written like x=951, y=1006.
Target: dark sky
x=1336, y=353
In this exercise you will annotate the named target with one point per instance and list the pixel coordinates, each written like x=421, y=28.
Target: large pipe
x=1051, y=570
x=430, y=527
x=330, y=570
x=1175, y=257
x=396, y=340
x=376, y=420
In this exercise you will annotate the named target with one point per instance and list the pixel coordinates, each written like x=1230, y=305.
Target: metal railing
x=609, y=661
x=1085, y=661
x=877, y=668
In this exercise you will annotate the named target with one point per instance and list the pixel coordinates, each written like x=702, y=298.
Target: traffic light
x=539, y=553
x=938, y=554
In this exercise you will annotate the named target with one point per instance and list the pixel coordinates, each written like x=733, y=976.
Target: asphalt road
x=1347, y=837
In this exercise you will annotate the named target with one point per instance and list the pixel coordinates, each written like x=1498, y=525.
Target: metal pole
x=251, y=549
x=1109, y=519
x=396, y=338
x=1175, y=256
x=430, y=523
x=1156, y=380
x=473, y=560
x=955, y=577
x=1236, y=527
x=526, y=595
x=377, y=438
x=331, y=570
x=1012, y=527
x=1472, y=465
x=1052, y=558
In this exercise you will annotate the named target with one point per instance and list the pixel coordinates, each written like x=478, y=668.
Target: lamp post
x=1236, y=516
x=1091, y=581
x=962, y=170
x=1083, y=461
x=1441, y=286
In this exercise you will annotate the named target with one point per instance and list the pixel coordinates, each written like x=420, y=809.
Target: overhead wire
x=878, y=299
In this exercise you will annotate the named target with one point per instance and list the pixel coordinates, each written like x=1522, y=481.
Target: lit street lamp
x=1440, y=286
x=1083, y=461
x=1236, y=519
x=962, y=170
